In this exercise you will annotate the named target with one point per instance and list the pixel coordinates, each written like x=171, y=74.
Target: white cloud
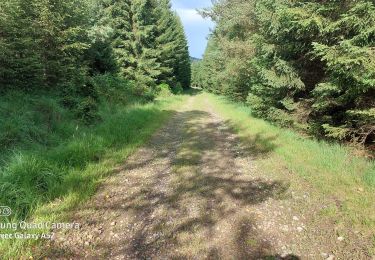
x=189, y=16
x=196, y=27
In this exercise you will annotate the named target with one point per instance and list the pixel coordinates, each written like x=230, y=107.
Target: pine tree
x=147, y=68
x=306, y=64
x=166, y=42
x=43, y=42
x=134, y=40
x=172, y=44
x=182, y=68
x=20, y=60
x=100, y=56
x=63, y=27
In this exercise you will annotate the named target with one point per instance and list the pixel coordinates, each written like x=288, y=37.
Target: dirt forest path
x=192, y=192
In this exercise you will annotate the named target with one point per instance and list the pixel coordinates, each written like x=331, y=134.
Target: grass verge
x=332, y=170
x=45, y=183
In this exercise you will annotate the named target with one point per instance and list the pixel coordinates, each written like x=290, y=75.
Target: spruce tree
x=20, y=59
x=134, y=40
x=305, y=64
x=172, y=44
x=147, y=68
x=63, y=27
x=166, y=41
x=100, y=56
x=182, y=68
x=118, y=16
x=43, y=41
x=49, y=43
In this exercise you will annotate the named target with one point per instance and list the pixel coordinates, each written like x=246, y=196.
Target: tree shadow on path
x=188, y=194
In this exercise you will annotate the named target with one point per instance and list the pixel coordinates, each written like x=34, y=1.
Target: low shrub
x=164, y=90
x=178, y=89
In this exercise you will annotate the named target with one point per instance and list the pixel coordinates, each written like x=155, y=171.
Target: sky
x=197, y=29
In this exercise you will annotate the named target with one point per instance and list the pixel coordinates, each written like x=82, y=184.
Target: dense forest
x=60, y=44
x=103, y=154
x=306, y=64
x=69, y=70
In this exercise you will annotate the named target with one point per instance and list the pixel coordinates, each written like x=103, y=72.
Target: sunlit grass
x=332, y=169
x=46, y=183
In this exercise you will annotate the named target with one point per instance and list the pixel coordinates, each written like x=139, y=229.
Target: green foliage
x=81, y=96
x=178, y=89
x=182, y=68
x=71, y=75
x=45, y=151
x=100, y=56
x=336, y=132
x=114, y=89
x=167, y=42
x=164, y=90
x=148, y=43
x=43, y=44
x=197, y=74
x=20, y=55
x=279, y=55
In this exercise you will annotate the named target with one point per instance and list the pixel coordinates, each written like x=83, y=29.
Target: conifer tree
x=183, y=65
x=63, y=38
x=52, y=43
x=172, y=44
x=118, y=16
x=20, y=59
x=43, y=41
x=148, y=42
x=166, y=41
x=147, y=68
x=100, y=56
x=305, y=64
x=133, y=39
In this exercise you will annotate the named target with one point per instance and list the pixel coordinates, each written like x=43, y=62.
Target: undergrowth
x=52, y=161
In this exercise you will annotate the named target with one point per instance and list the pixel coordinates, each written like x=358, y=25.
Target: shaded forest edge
x=308, y=65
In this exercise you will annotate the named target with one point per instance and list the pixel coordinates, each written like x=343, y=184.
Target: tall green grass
x=333, y=170
x=30, y=120
x=51, y=162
